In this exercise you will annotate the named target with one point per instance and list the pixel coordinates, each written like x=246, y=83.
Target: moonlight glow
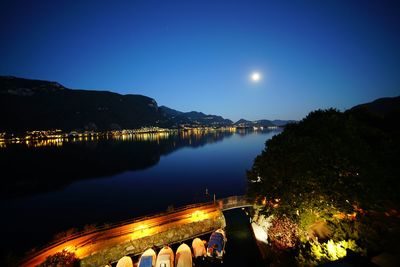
x=255, y=76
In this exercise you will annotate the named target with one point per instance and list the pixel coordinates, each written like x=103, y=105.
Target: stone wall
x=168, y=234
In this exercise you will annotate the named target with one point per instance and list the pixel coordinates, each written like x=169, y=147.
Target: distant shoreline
x=58, y=136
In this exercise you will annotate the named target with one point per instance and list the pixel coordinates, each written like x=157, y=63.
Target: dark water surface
x=49, y=189
x=240, y=248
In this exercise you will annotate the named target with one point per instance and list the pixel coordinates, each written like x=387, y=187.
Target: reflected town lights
x=149, y=134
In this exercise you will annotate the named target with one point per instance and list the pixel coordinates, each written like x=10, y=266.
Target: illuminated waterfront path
x=207, y=216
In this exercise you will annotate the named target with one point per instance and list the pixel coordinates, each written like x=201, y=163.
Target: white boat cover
x=165, y=257
x=150, y=252
x=199, y=249
x=183, y=256
x=125, y=261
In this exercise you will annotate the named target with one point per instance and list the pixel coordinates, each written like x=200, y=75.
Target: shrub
x=283, y=233
x=61, y=259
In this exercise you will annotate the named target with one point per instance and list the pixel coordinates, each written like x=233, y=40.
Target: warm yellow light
x=141, y=231
x=332, y=250
x=69, y=248
x=198, y=216
x=335, y=250
x=141, y=227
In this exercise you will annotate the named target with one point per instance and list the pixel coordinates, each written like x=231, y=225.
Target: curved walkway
x=86, y=243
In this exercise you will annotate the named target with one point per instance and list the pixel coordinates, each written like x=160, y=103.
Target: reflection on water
x=43, y=165
x=46, y=138
x=49, y=189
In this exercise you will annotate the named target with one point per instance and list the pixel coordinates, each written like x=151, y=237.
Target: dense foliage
x=61, y=259
x=283, y=233
x=336, y=176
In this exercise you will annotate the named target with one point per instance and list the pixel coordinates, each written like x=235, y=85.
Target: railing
x=234, y=202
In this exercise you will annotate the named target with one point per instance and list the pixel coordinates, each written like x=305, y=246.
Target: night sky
x=199, y=55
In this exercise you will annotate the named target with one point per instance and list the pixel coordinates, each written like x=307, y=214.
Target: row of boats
x=184, y=254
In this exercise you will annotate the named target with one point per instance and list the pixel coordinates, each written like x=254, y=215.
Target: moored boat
x=199, y=250
x=183, y=257
x=125, y=261
x=216, y=245
x=165, y=257
x=148, y=258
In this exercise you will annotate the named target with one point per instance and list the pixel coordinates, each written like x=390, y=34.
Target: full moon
x=255, y=76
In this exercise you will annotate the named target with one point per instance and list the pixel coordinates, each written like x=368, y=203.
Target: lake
x=49, y=188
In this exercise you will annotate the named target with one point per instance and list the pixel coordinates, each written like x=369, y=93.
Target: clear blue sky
x=198, y=55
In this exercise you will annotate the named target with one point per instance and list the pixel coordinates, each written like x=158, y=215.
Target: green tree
x=329, y=170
